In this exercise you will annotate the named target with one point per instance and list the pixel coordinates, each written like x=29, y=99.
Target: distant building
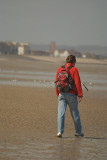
x=14, y=48
x=86, y=55
x=56, y=53
x=8, y=48
x=23, y=48
x=20, y=50
x=52, y=48
x=61, y=53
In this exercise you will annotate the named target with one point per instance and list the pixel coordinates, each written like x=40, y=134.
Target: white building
x=56, y=53
x=61, y=53
x=23, y=48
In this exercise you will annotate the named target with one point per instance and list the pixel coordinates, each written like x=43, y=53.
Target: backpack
x=64, y=80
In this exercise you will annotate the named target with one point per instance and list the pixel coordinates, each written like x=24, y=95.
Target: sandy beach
x=28, y=114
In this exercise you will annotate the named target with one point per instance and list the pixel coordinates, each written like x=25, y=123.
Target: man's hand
x=79, y=99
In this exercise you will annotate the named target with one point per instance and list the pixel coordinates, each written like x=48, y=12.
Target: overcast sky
x=67, y=22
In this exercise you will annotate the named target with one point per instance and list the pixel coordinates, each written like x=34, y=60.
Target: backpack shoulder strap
x=67, y=68
x=70, y=67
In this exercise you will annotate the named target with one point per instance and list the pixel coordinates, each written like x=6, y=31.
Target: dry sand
x=28, y=119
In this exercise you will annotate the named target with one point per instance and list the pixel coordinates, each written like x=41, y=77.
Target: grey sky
x=68, y=22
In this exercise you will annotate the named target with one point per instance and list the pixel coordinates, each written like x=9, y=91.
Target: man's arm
x=57, y=92
x=78, y=84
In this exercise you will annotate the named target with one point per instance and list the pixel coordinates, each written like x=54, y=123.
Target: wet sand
x=28, y=119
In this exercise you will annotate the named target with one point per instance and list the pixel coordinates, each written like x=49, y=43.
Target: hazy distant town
x=15, y=48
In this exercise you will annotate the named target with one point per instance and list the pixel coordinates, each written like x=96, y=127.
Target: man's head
x=71, y=59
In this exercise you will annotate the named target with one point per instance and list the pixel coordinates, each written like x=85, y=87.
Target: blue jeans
x=71, y=100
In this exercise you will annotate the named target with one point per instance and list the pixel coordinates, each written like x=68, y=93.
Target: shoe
x=79, y=134
x=59, y=135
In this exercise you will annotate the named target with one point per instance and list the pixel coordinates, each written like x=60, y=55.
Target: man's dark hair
x=71, y=59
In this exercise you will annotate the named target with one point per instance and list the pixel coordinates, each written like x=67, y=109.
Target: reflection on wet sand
x=59, y=149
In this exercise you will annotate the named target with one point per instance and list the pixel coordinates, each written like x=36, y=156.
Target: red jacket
x=77, y=89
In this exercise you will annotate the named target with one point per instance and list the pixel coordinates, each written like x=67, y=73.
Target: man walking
x=68, y=94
